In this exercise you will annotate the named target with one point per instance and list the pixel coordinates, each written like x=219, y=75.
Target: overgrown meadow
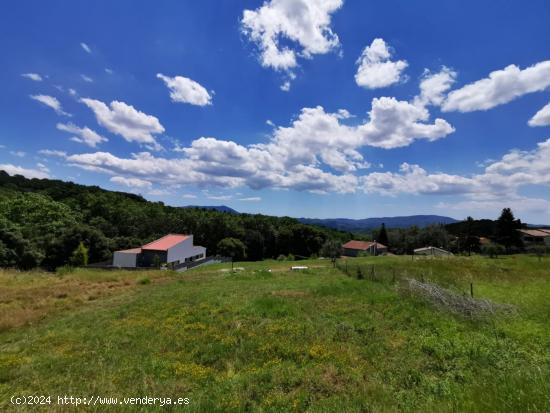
x=267, y=339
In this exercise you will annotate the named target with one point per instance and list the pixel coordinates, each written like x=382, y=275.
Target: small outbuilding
x=171, y=249
x=432, y=251
x=354, y=248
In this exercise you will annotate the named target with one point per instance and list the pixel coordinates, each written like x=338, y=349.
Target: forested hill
x=43, y=221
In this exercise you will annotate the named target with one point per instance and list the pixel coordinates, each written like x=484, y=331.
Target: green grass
x=315, y=340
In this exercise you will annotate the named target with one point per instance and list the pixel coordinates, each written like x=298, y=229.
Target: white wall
x=183, y=250
x=124, y=259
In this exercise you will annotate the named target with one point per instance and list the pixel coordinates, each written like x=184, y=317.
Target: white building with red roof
x=172, y=249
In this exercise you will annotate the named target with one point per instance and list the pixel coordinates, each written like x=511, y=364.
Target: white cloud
x=434, y=86
x=185, y=90
x=109, y=71
x=19, y=154
x=500, y=182
x=220, y=197
x=87, y=78
x=541, y=118
x=82, y=135
x=295, y=157
x=72, y=92
x=285, y=87
x=27, y=173
x=376, y=69
x=124, y=120
x=51, y=102
x=251, y=199
x=502, y=86
x=85, y=47
x=33, y=76
x=189, y=196
x=412, y=179
x=131, y=182
x=51, y=152
x=303, y=25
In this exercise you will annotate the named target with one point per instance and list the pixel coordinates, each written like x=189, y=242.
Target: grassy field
x=270, y=340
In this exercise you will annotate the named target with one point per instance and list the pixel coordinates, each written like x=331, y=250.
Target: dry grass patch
x=28, y=297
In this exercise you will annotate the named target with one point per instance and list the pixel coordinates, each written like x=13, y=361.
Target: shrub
x=492, y=250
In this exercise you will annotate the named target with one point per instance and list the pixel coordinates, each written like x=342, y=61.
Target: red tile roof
x=540, y=232
x=166, y=242
x=361, y=245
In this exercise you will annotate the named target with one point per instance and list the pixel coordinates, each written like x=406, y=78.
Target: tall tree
x=507, y=233
x=383, y=236
x=232, y=247
x=331, y=249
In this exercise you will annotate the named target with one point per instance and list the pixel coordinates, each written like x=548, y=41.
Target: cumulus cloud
x=33, y=76
x=285, y=30
x=131, y=182
x=51, y=102
x=85, y=47
x=185, y=90
x=502, y=86
x=124, y=120
x=541, y=118
x=434, y=86
x=26, y=172
x=82, y=135
x=376, y=69
x=501, y=179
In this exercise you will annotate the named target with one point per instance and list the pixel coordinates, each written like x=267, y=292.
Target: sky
x=319, y=108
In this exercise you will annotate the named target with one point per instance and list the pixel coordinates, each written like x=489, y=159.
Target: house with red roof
x=171, y=249
x=353, y=248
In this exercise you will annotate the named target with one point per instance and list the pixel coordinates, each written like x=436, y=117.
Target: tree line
x=44, y=222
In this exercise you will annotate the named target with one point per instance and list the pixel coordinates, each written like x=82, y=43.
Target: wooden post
x=472, y=290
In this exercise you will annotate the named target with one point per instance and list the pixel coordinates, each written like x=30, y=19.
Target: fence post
x=472, y=290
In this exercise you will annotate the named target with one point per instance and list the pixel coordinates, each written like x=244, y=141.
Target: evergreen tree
x=383, y=236
x=507, y=233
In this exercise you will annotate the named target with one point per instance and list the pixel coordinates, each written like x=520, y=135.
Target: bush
x=493, y=250
x=281, y=257
x=291, y=257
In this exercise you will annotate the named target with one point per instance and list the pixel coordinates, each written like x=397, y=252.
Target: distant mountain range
x=220, y=208
x=368, y=224
x=356, y=225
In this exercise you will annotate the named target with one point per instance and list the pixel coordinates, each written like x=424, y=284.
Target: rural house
x=354, y=248
x=539, y=236
x=171, y=249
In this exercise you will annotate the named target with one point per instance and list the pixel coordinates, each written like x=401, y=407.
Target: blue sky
x=324, y=108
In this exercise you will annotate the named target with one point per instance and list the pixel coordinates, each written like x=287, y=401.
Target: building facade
x=354, y=248
x=172, y=249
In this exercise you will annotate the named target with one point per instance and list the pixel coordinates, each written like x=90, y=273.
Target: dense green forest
x=43, y=222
